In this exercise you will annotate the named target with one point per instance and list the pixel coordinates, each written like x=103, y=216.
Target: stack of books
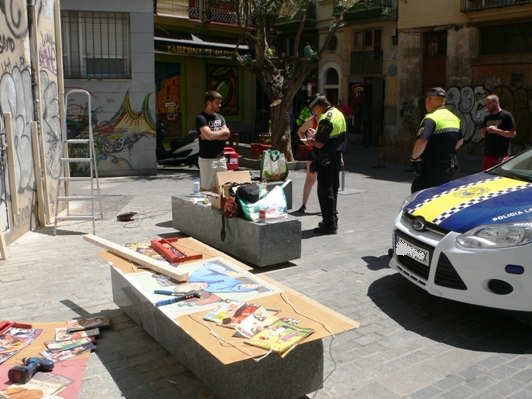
x=78, y=336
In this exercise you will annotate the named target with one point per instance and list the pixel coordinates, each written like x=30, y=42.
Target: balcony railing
x=478, y=5
x=368, y=9
x=366, y=62
x=218, y=11
x=286, y=23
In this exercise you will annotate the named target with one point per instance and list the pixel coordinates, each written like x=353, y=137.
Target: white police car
x=470, y=240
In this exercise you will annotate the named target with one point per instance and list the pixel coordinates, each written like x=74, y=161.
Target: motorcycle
x=181, y=152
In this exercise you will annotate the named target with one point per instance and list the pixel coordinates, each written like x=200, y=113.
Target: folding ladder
x=83, y=153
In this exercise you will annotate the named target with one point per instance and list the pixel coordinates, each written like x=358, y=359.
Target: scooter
x=181, y=152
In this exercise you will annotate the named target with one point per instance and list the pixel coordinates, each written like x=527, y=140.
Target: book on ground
x=64, y=345
x=59, y=356
x=87, y=323
x=61, y=334
x=33, y=386
x=279, y=337
x=14, y=339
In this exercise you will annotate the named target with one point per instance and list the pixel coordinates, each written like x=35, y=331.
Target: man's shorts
x=208, y=168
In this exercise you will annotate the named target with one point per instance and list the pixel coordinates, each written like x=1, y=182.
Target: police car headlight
x=497, y=236
x=409, y=199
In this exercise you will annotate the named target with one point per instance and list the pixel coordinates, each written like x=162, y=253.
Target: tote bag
x=273, y=166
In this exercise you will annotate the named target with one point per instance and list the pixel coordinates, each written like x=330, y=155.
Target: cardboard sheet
x=72, y=369
x=288, y=302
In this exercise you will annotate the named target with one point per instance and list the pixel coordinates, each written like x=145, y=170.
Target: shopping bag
x=273, y=166
x=247, y=204
x=273, y=205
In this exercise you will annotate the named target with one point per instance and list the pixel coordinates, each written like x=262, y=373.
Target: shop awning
x=195, y=46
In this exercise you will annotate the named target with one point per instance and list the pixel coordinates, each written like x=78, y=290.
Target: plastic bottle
x=196, y=186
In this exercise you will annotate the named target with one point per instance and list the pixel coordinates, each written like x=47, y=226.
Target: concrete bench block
x=291, y=377
x=261, y=244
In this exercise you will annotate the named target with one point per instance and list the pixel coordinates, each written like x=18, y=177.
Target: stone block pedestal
x=261, y=244
x=291, y=377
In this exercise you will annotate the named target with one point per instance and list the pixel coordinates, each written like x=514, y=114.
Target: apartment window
x=368, y=40
x=366, y=57
x=95, y=45
x=506, y=39
x=435, y=44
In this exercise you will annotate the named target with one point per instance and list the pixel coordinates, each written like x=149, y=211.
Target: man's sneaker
x=325, y=230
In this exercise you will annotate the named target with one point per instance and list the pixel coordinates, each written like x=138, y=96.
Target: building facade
x=472, y=48
x=108, y=50
x=30, y=114
x=360, y=66
x=194, y=45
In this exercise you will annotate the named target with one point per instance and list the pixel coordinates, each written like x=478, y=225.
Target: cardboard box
x=232, y=176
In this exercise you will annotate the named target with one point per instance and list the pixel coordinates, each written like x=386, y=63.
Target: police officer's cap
x=436, y=92
x=316, y=99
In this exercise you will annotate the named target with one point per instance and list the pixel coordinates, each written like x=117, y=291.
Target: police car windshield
x=518, y=167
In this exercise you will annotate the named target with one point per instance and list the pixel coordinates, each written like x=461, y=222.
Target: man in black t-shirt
x=213, y=132
x=497, y=129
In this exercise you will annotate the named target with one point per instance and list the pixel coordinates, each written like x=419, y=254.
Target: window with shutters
x=96, y=45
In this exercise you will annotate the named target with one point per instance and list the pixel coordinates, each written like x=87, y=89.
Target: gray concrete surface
x=409, y=345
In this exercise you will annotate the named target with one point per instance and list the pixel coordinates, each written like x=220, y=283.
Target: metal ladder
x=78, y=146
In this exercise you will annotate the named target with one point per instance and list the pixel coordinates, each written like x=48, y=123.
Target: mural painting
x=224, y=79
x=168, y=106
x=124, y=143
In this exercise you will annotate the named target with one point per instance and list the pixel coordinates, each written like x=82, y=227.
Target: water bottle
x=196, y=186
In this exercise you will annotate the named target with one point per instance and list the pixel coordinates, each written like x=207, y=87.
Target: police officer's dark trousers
x=328, y=184
x=431, y=175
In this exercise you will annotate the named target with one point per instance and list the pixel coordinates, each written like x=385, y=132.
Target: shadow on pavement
x=453, y=323
x=377, y=262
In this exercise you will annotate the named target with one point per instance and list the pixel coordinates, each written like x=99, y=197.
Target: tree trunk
x=281, y=129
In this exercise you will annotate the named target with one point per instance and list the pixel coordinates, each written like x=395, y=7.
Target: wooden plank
x=11, y=170
x=136, y=257
x=38, y=174
x=3, y=246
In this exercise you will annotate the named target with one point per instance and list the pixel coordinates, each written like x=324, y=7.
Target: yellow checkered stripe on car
x=439, y=207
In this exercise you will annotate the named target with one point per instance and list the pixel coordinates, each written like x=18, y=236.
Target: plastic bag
x=246, y=205
x=274, y=205
x=273, y=166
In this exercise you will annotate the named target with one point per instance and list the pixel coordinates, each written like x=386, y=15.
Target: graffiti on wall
x=469, y=103
x=14, y=15
x=16, y=98
x=117, y=139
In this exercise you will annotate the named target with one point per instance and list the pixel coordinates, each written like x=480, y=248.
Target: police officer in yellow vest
x=439, y=136
x=329, y=141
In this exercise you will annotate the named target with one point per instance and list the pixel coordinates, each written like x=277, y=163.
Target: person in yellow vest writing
x=439, y=136
x=329, y=142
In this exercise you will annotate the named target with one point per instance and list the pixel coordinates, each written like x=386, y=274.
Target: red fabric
x=489, y=161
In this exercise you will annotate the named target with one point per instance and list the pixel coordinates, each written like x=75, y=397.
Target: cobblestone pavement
x=409, y=345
